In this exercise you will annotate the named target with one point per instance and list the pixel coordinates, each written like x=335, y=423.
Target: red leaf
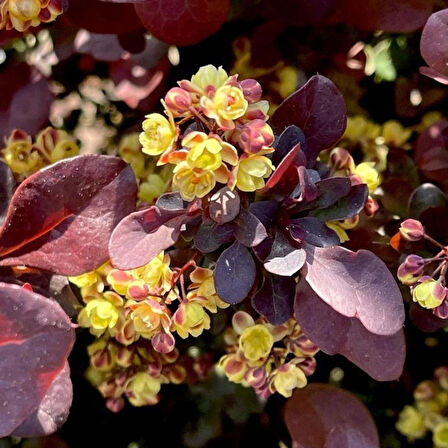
x=36, y=337
x=323, y=416
x=318, y=109
x=142, y=235
x=7, y=187
x=382, y=357
x=356, y=284
x=61, y=218
x=183, y=22
x=398, y=16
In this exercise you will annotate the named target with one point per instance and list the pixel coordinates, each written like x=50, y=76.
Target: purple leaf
x=265, y=211
x=433, y=74
x=142, y=235
x=210, y=237
x=283, y=258
x=324, y=416
x=224, y=205
x=356, y=284
x=287, y=140
x=329, y=191
x=234, y=274
x=434, y=43
x=102, y=47
x=275, y=299
x=36, y=337
x=53, y=409
x=313, y=231
x=171, y=203
x=61, y=218
x=249, y=230
x=424, y=197
x=346, y=207
x=382, y=357
x=318, y=108
x=7, y=187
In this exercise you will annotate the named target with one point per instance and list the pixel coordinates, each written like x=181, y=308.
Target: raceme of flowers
x=25, y=156
x=23, y=14
x=224, y=138
x=425, y=276
x=429, y=411
x=269, y=358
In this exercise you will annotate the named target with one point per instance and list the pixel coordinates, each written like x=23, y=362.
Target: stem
x=436, y=243
x=200, y=117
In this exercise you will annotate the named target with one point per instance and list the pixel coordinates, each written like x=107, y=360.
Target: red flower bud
x=178, y=101
x=340, y=158
x=251, y=89
x=255, y=135
x=412, y=230
x=371, y=207
x=411, y=269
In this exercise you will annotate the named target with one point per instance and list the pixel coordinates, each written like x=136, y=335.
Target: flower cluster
x=25, y=157
x=227, y=138
x=22, y=14
x=153, y=181
x=147, y=303
x=269, y=358
x=425, y=276
x=135, y=371
x=429, y=411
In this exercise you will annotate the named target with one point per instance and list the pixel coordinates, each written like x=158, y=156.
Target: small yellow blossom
x=410, y=423
x=19, y=153
x=256, y=342
x=149, y=317
x=190, y=318
x=429, y=293
x=234, y=367
x=287, y=378
x=251, y=172
x=130, y=150
x=56, y=144
x=395, y=134
x=157, y=273
x=142, y=389
x=209, y=78
x=159, y=134
x=368, y=174
x=192, y=184
x=440, y=435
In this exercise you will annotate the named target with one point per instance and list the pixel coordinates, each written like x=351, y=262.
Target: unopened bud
x=251, y=89
x=442, y=310
x=411, y=269
x=371, y=207
x=178, y=101
x=441, y=373
x=255, y=135
x=340, y=159
x=412, y=230
x=425, y=390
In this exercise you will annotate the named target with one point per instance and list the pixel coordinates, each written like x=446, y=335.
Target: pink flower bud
x=412, y=230
x=425, y=390
x=371, y=207
x=441, y=373
x=251, y=89
x=340, y=158
x=163, y=342
x=255, y=135
x=256, y=377
x=411, y=269
x=178, y=101
x=442, y=313
x=115, y=404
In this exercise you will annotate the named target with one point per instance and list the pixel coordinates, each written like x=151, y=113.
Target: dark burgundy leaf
x=264, y=248
x=316, y=232
x=210, y=237
x=7, y=187
x=318, y=108
x=183, y=22
x=433, y=74
x=249, y=230
x=329, y=191
x=283, y=258
x=265, y=211
x=53, y=409
x=234, y=274
x=171, y=203
x=306, y=190
x=142, y=235
x=286, y=170
x=36, y=337
x=101, y=17
x=356, y=284
x=399, y=16
x=103, y=47
x=287, y=140
x=324, y=416
x=275, y=299
x=434, y=42
x=424, y=197
x=346, y=207
x=224, y=205
x=382, y=357
x=61, y=218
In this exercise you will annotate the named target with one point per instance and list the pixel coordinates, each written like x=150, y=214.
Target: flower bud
x=256, y=377
x=115, y=404
x=251, y=89
x=340, y=159
x=429, y=293
x=440, y=434
x=255, y=135
x=163, y=342
x=178, y=101
x=411, y=269
x=412, y=230
x=425, y=390
x=441, y=373
x=371, y=207
x=242, y=320
x=442, y=310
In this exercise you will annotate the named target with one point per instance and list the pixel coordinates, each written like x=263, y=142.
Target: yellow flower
x=287, y=378
x=19, y=153
x=101, y=313
x=21, y=14
x=395, y=134
x=85, y=280
x=429, y=293
x=256, y=342
x=190, y=318
x=251, y=172
x=191, y=184
x=234, y=366
x=152, y=188
x=142, y=389
x=410, y=423
x=149, y=317
x=227, y=104
x=288, y=80
x=130, y=150
x=56, y=144
x=209, y=78
x=157, y=273
x=159, y=134
x=342, y=234
x=204, y=152
x=440, y=434
x=368, y=174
